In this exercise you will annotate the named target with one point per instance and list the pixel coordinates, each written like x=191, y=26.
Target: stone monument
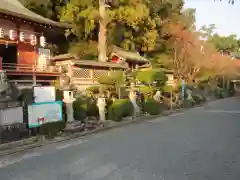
x=68, y=99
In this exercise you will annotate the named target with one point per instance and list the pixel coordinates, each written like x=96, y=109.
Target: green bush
x=168, y=88
x=219, y=93
x=120, y=108
x=152, y=107
x=188, y=103
x=93, y=89
x=198, y=99
x=147, y=91
x=51, y=129
x=84, y=107
x=148, y=77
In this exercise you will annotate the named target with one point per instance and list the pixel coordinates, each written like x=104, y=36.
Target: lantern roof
x=15, y=8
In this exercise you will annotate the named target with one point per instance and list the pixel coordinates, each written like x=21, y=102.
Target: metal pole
x=102, y=33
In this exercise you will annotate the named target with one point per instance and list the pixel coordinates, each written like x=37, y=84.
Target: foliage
x=219, y=93
x=49, y=8
x=198, y=99
x=120, y=108
x=132, y=25
x=111, y=82
x=83, y=107
x=51, y=129
x=147, y=91
x=152, y=107
x=225, y=43
x=168, y=88
x=91, y=90
x=148, y=77
x=188, y=103
x=84, y=50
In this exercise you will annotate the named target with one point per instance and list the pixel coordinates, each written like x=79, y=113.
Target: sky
x=226, y=17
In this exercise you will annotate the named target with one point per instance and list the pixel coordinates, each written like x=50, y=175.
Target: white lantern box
x=33, y=39
x=42, y=41
x=12, y=34
x=21, y=37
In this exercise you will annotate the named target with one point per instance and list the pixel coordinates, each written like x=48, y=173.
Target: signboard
x=44, y=112
x=44, y=94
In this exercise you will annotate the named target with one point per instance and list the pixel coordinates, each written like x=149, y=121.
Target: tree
x=207, y=32
x=225, y=43
x=193, y=58
x=47, y=8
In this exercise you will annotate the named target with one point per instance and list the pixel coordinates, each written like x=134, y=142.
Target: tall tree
x=47, y=8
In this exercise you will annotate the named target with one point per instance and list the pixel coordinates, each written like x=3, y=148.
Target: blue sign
x=44, y=112
x=183, y=88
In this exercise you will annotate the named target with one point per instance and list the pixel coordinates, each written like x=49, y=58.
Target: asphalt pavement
x=202, y=143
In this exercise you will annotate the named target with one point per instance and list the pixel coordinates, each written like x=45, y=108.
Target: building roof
x=15, y=8
x=99, y=64
x=78, y=62
x=129, y=55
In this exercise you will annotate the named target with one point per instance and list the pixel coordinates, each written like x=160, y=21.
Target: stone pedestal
x=68, y=99
x=101, y=103
x=133, y=99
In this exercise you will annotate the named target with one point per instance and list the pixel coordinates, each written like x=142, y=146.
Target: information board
x=44, y=94
x=44, y=112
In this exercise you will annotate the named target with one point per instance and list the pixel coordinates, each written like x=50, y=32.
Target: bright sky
x=226, y=17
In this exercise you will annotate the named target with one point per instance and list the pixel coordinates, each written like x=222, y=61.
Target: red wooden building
x=23, y=38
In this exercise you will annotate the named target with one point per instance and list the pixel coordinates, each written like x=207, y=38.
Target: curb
x=23, y=148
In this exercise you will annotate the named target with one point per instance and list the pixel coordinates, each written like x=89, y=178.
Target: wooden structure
x=132, y=59
x=23, y=36
x=84, y=73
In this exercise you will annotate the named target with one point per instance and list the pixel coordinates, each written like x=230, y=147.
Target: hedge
x=120, y=108
x=152, y=107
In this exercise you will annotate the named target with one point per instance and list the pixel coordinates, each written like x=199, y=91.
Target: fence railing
x=30, y=68
x=89, y=73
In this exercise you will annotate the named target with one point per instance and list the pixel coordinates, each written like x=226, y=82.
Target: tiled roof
x=15, y=8
x=129, y=55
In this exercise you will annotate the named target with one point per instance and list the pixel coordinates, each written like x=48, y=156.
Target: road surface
x=201, y=144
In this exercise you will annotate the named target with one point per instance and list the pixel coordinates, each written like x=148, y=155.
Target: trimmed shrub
x=51, y=129
x=120, y=108
x=147, y=91
x=93, y=89
x=152, y=107
x=198, y=99
x=84, y=107
x=188, y=103
x=219, y=93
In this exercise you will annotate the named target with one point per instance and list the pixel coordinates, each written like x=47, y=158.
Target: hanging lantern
x=12, y=34
x=21, y=36
x=42, y=41
x=1, y=33
x=33, y=40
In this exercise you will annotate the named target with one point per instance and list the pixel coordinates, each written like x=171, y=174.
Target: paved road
x=201, y=144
